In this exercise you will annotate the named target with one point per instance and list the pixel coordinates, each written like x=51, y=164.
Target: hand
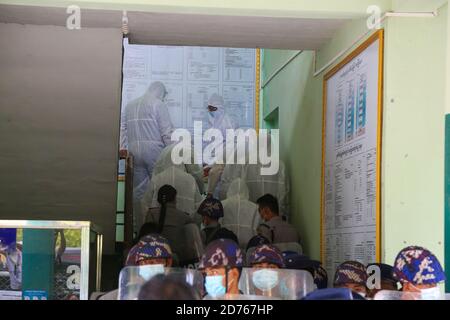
x=123, y=153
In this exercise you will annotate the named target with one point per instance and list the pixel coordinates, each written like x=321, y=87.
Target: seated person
x=171, y=222
x=211, y=210
x=351, y=275
x=221, y=265
x=150, y=250
x=165, y=161
x=274, y=184
x=167, y=287
x=188, y=195
x=240, y=214
x=387, y=281
x=274, y=227
x=418, y=270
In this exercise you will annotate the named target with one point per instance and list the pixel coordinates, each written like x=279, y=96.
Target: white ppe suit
x=188, y=196
x=146, y=129
x=240, y=215
x=165, y=161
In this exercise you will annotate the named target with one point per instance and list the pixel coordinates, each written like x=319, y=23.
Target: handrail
x=128, y=215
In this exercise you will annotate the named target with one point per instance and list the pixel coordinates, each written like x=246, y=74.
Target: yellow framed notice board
x=351, y=157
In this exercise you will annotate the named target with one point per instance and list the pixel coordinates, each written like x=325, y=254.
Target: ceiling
x=191, y=29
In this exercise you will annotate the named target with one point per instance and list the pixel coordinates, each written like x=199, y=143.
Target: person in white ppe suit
x=230, y=173
x=276, y=185
x=240, y=215
x=165, y=161
x=217, y=117
x=220, y=120
x=188, y=195
x=146, y=129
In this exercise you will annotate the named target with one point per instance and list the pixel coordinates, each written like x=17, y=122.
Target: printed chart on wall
x=191, y=75
x=351, y=157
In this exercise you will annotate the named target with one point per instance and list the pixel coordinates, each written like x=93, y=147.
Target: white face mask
x=265, y=279
x=148, y=271
x=431, y=294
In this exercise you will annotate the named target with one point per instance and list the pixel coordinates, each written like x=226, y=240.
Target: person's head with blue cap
x=152, y=249
x=256, y=241
x=211, y=210
x=266, y=256
x=302, y=262
x=221, y=265
x=418, y=270
x=352, y=275
x=387, y=281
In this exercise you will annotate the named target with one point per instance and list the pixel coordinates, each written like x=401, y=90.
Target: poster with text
x=191, y=75
x=351, y=162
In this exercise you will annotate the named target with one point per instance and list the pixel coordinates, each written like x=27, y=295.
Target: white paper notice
x=239, y=102
x=191, y=75
x=197, y=101
x=136, y=65
x=203, y=63
x=350, y=176
x=238, y=65
x=167, y=63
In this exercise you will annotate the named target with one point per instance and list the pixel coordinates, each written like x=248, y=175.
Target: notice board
x=351, y=157
x=191, y=75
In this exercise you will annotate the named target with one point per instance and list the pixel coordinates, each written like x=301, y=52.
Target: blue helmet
x=267, y=253
x=257, y=241
x=350, y=272
x=418, y=265
x=211, y=207
x=222, y=253
x=149, y=247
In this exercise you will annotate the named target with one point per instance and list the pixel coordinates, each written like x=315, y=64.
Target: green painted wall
x=413, y=130
x=297, y=95
x=413, y=146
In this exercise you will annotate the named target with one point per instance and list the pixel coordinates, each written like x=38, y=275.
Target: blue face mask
x=214, y=286
x=148, y=271
x=265, y=279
